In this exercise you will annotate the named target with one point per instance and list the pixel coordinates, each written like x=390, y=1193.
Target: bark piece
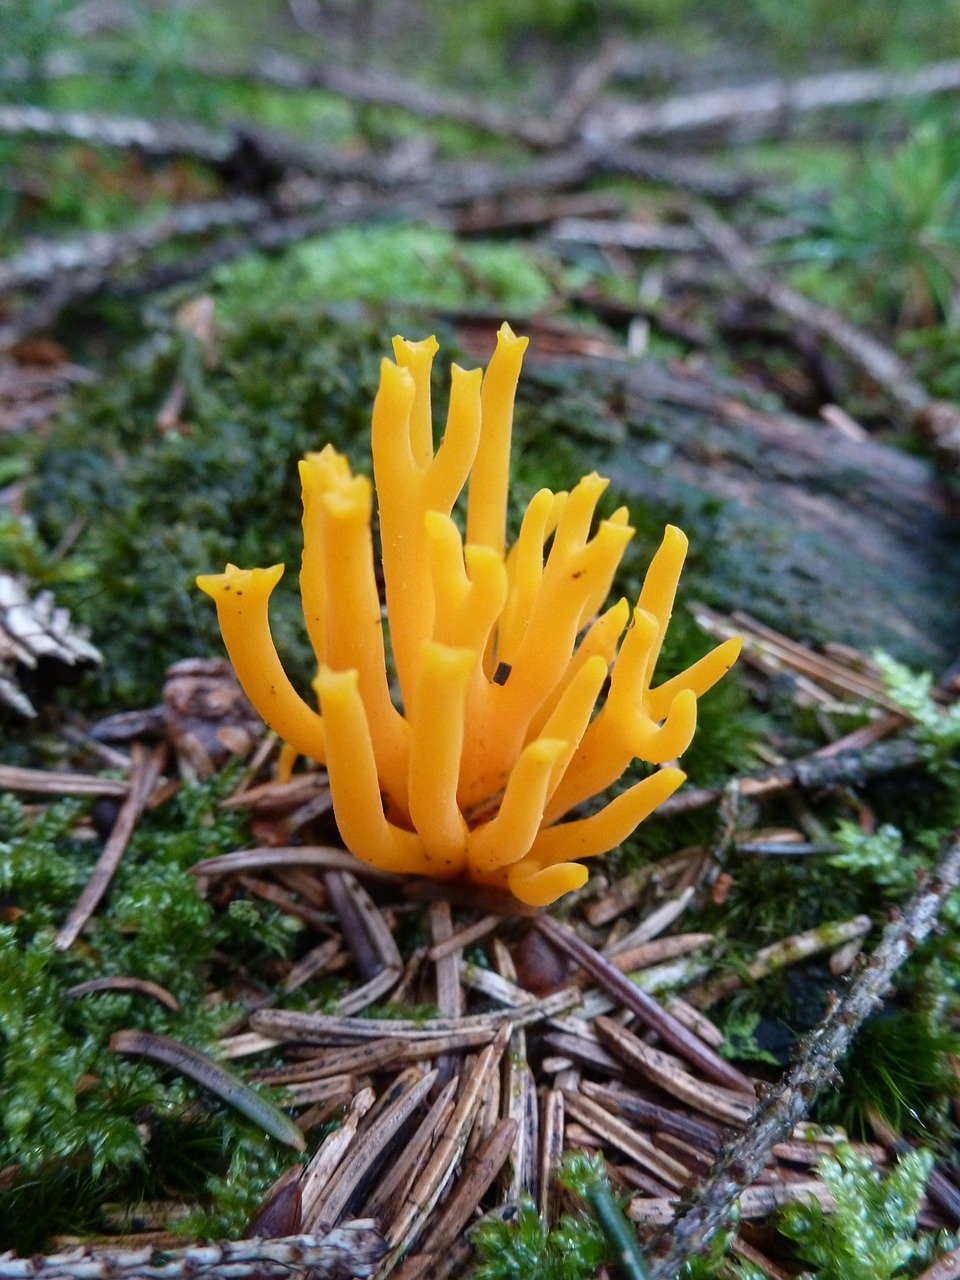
x=33, y=632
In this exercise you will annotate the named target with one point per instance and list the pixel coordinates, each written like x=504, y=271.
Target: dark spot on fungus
x=502, y=673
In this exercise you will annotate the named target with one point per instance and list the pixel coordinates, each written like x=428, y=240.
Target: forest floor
x=736, y=251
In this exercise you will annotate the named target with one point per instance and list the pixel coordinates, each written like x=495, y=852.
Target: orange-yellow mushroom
x=492, y=734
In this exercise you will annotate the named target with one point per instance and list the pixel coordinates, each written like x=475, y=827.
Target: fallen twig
x=475, y=1029
x=770, y=102
x=710, y=1207
x=351, y=1250
x=47, y=783
x=826, y=936
x=167, y=139
x=938, y=418
x=809, y=772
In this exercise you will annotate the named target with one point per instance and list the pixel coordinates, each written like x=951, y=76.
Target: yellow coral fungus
x=500, y=655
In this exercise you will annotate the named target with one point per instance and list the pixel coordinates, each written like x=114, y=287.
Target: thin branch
x=364, y=88
x=770, y=102
x=713, y=1203
x=167, y=139
x=808, y=773
x=645, y=1008
x=101, y=252
x=350, y=1250
x=877, y=361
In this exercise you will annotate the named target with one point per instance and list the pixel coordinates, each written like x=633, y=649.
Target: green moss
x=574, y=1248
x=870, y=1235
x=414, y=263
x=526, y=1246
x=900, y=1070
x=81, y=1124
x=157, y=508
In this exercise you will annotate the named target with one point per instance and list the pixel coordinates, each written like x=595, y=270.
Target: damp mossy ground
x=141, y=511
x=82, y=1127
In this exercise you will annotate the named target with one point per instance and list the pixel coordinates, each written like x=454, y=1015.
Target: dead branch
x=320, y=191
x=876, y=360
x=168, y=139
x=254, y=222
x=368, y=88
x=768, y=103
x=352, y=1249
x=378, y=89
x=709, y=1209
x=253, y=158
x=248, y=156
x=95, y=255
x=808, y=773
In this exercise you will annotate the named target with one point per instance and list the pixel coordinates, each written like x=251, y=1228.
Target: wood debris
x=546, y=1038
x=351, y=1250
x=34, y=632
x=35, y=378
